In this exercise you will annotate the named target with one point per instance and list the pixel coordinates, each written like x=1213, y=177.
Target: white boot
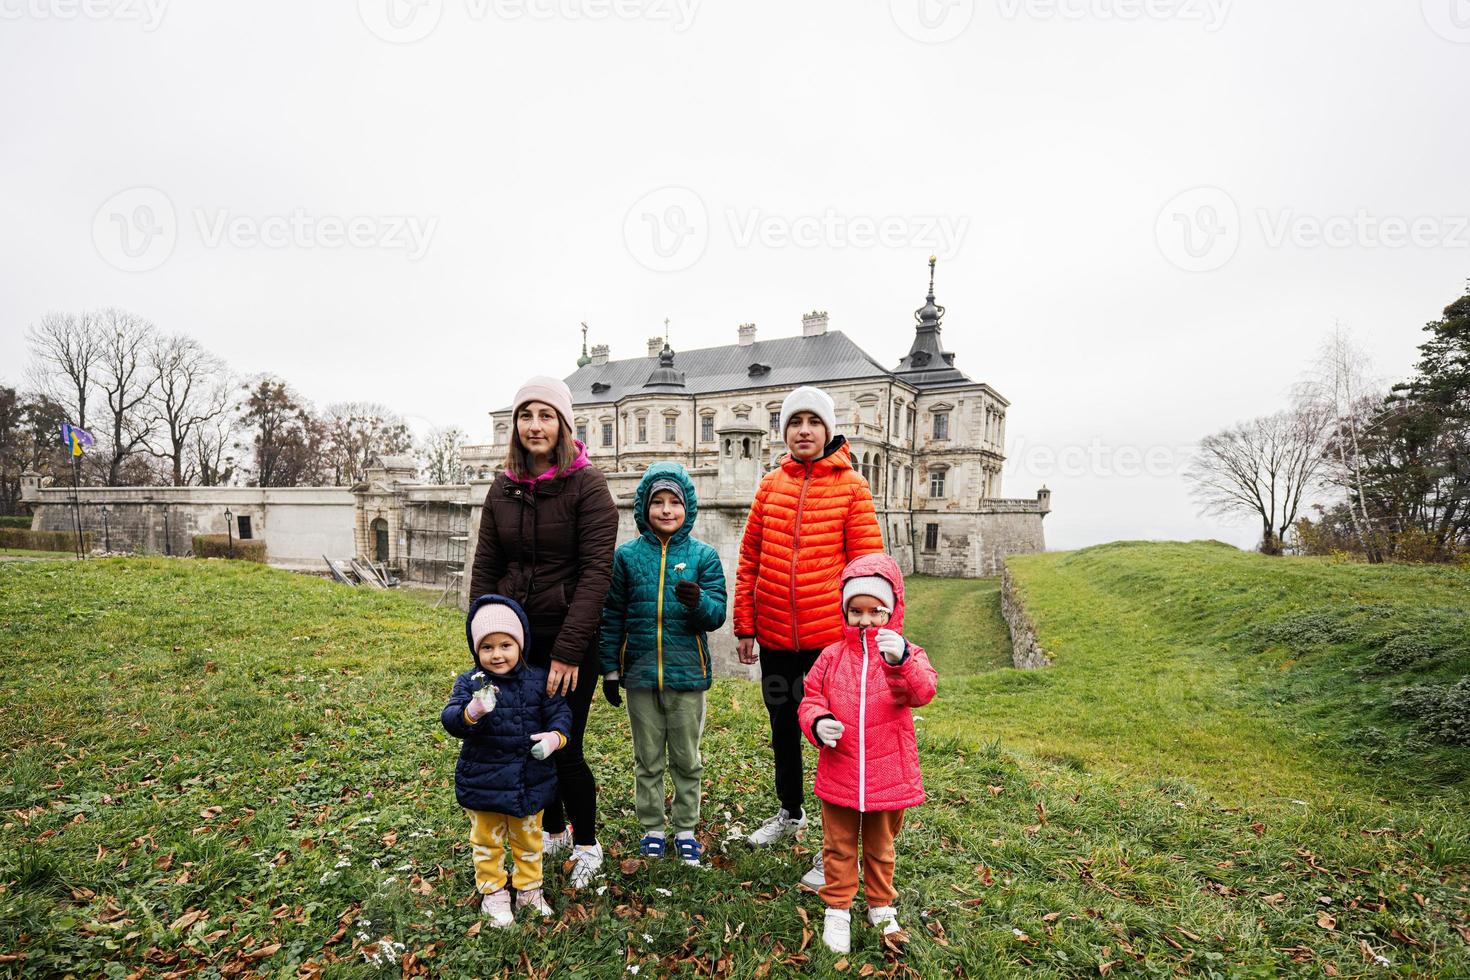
x=886, y=918
x=837, y=930
x=555, y=845
x=586, y=863
x=496, y=905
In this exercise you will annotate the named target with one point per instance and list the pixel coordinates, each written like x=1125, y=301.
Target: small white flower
x=679, y=567
x=664, y=892
x=633, y=968
x=647, y=938
x=601, y=889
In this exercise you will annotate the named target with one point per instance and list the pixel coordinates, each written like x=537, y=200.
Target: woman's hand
x=745, y=648
x=561, y=679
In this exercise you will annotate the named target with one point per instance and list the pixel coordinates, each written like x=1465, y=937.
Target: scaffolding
x=435, y=537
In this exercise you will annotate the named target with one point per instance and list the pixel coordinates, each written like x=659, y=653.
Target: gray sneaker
x=775, y=827
x=816, y=875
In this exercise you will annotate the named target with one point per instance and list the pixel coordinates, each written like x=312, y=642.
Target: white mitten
x=828, y=730
x=891, y=645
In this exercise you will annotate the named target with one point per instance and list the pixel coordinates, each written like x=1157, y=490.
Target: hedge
x=24, y=523
x=28, y=540
x=218, y=546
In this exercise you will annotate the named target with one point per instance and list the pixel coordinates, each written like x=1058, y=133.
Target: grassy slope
x=144, y=693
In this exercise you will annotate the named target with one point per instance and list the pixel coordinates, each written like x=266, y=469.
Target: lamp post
x=230, y=530
x=106, y=539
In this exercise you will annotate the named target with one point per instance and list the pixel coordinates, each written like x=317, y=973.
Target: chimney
x=747, y=334
x=600, y=353
x=814, y=324
x=655, y=344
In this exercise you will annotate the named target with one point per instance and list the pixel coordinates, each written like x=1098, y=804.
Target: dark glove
x=688, y=593
x=610, y=690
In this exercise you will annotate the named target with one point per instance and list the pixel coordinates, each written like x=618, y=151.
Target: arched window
x=380, y=539
x=745, y=448
x=729, y=448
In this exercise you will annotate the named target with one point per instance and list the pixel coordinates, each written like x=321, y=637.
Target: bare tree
x=1262, y=468
x=358, y=431
x=125, y=379
x=440, y=453
x=190, y=390
x=1340, y=386
x=214, y=452
x=65, y=349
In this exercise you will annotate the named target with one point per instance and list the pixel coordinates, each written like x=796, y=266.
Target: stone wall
x=1026, y=651
x=298, y=524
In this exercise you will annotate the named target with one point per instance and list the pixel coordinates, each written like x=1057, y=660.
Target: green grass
x=27, y=553
x=142, y=694
x=958, y=623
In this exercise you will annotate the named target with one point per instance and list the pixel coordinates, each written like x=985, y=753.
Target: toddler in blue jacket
x=509, y=727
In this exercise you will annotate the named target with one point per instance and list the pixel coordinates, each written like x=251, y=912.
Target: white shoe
x=816, y=875
x=885, y=917
x=533, y=899
x=555, y=845
x=775, y=827
x=837, y=930
x=587, y=863
x=496, y=905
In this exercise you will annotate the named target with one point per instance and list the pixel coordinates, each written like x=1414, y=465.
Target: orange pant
x=840, y=828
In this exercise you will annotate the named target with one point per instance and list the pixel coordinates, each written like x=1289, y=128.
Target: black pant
x=782, y=674
x=576, y=789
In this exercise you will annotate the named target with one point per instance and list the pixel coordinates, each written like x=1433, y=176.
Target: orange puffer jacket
x=808, y=521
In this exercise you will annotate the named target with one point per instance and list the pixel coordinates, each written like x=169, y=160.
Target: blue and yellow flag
x=74, y=438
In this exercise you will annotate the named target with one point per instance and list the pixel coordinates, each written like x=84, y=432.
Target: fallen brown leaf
x=1326, y=921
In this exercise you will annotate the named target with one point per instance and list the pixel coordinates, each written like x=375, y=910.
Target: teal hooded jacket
x=648, y=636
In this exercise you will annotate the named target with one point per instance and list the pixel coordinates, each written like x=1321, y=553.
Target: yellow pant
x=494, y=834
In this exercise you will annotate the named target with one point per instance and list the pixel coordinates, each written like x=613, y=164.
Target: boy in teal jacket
x=668, y=592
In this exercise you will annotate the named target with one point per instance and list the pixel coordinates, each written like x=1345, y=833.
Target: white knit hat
x=551, y=391
x=874, y=585
x=496, y=617
x=809, y=399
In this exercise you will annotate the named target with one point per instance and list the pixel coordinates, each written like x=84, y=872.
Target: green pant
x=666, y=730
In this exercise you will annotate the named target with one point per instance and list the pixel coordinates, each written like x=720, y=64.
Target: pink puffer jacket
x=875, y=765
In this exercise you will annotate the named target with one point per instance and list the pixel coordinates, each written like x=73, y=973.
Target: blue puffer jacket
x=496, y=771
x=648, y=636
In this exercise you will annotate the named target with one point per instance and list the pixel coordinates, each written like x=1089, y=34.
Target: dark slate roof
x=792, y=361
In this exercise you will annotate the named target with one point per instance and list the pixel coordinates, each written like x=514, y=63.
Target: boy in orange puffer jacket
x=811, y=516
x=857, y=711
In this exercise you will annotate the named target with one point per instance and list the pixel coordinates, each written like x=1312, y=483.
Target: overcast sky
x=1148, y=213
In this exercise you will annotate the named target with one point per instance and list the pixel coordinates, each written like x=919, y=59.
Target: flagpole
x=76, y=506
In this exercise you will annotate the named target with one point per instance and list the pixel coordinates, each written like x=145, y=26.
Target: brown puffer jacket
x=548, y=544
x=808, y=521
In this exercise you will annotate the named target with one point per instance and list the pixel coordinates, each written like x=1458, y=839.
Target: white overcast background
x=1148, y=213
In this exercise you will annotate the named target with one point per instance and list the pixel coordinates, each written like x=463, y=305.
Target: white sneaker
x=886, y=917
x=816, y=875
x=837, y=930
x=555, y=845
x=533, y=899
x=775, y=827
x=587, y=862
x=496, y=905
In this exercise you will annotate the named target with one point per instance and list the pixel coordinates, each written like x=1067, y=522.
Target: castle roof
x=781, y=363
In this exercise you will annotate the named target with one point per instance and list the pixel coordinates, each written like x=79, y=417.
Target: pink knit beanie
x=496, y=617
x=552, y=391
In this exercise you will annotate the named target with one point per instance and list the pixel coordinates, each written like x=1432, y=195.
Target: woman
x=811, y=516
x=547, y=531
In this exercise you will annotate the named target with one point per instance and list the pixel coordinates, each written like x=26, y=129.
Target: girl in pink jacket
x=857, y=711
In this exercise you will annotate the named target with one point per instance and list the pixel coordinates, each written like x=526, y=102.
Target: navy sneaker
x=651, y=847
x=689, y=850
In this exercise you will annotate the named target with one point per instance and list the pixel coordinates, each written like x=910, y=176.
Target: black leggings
x=576, y=789
x=782, y=674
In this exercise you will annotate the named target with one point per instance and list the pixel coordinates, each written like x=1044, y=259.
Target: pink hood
x=577, y=464
x=875, y=764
